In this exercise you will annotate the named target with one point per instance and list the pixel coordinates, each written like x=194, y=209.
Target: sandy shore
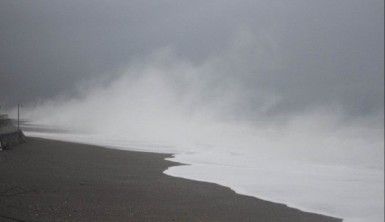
x=45, y=180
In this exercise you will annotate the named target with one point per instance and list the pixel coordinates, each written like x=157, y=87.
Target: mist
x=164, y=99
x=289, y=92
x=169, y=105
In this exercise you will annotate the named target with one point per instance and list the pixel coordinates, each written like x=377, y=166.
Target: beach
x=47, y=180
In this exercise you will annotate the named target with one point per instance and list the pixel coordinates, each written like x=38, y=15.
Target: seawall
x=9, y=134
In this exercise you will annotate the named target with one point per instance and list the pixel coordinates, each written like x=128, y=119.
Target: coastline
x=238, y=190
x=77, y=182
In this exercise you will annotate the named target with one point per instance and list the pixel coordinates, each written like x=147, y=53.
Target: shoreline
x=172, y=158
x=242, y=192
x=203, y=201
x=246, y=194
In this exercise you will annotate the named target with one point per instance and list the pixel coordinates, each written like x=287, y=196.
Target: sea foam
x=352, y=192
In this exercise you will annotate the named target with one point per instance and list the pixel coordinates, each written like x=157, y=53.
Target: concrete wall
x=9, y=134
x=6, y=126
x=7, y=140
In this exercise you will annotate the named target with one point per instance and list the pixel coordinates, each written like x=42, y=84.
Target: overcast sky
x=308, y=53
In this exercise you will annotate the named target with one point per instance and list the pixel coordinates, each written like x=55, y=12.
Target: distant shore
x=47, y=180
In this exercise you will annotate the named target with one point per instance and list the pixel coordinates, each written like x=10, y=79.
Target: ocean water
x=353, y=193
x=319, y=159
x=349, y=191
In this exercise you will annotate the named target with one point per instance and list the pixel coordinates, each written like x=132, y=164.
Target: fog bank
x=167, y=104
x=164, y=99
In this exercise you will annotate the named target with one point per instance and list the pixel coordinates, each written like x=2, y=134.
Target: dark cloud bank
x=293, y=56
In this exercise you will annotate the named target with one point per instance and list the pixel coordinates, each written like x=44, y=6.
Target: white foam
x=319, y=159
x=354, y=193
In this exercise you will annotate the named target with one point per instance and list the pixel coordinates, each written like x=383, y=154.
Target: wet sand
x=46, y=180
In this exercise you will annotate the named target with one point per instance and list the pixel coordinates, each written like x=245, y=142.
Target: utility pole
x=18, y=116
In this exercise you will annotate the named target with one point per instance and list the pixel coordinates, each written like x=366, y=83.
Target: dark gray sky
x=309, y=53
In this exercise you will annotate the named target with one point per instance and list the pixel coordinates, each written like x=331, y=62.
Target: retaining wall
x=9, y=139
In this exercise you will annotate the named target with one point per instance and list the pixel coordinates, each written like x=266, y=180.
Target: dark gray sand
x=46, y=180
